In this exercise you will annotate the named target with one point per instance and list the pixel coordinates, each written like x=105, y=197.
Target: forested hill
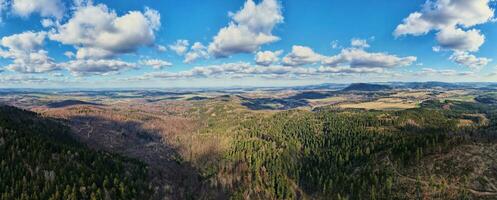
x=39, y=160
x=422, y=153
x=366, y=87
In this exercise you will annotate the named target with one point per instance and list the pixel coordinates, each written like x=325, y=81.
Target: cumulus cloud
x=27, y=41
x=471, y=61
x=349, y=57
x=359, y=43
x=460, y=40
x=266, y=58
x=413, y=25
x=96, y=67
x=250, y=28
x=156, y=63
x=243, y=69
x=180, y=47
x=452, y=19
x=69, y=54
x=93, y=53
x=47, y=23
x=46, y=8
x=302, y=55
x=202, y=72
x=197, y=51
x=98, y=32
x=358, y=58
x=161, y=48
x=25, y=51
x=32, y=62
x=441, y=14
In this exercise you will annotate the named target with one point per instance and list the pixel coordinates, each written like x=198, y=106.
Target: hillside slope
x=367, y=87
x=422, y=153
x=39, y=160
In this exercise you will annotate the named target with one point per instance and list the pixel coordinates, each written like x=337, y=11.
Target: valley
x=405, y=141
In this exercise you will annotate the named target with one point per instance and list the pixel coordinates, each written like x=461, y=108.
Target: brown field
x=412, y=94
x=329, y=99
x=382, y=104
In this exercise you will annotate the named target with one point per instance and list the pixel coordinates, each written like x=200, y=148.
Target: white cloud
x=413, y=25
x=441, y=14
x=302, y=55
x=453, y=20
x=335, y=44
x=93, y=53
x=27, y=41
x=32, y=62
x=359, y=43
x=25, y=51
x=161, y=48
x=69, y=54
x=349, y=57
x=97, y=32
x=266, y=58
x=152, y=17
x=460, y=40
x=180, y=47
x=358, y=58
x=96, y=67
x=47, y=23
x=197, y=51
x=471, y=61
x=250, y=28
x=242, y=69
x=81, y=3
x=156, y=63
x=207, y=71
x=46, y=8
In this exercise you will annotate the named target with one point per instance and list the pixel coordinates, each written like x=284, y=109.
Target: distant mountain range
x=402, y=85
x=119, y=92
x=366, y=87
x=435, y=84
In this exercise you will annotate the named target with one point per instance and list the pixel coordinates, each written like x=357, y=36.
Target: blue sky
x=193, y=43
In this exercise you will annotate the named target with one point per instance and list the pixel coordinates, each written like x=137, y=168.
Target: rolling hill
x=41, y=161
x=65, y=103
x=367, y=87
